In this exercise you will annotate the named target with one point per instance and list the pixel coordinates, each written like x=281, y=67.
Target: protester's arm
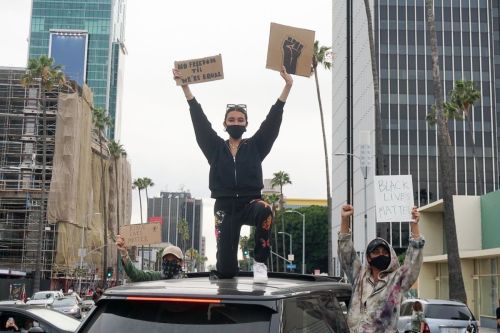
x=185, y=87
x=349, y=260
x=414, y=254
x=133, y=273
x=288, y=84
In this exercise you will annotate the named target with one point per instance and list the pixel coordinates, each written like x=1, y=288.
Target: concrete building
x=478, y=230
x=468, y=41
x=87, y=39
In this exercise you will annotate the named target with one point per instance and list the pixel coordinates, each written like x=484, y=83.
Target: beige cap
x=172, y=249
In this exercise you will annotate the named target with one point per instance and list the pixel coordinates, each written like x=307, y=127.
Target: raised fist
x=292, y=49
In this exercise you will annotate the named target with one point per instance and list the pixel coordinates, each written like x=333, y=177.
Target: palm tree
x=42, y=71
x=319, y=58
x=273, y=199
x=139, y=185
x=456, y=282
x=183, y=230
x=116, y=151
x=379, y=152
x=462, y=98
x=281, y=178
x=148, y=183
x=101, y=121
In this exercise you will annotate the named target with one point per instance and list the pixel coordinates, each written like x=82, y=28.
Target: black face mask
x=236, y=131
x=170, y=268
x=381, y=262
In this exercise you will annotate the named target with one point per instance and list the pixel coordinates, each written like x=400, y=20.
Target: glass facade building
x=103, y=21
x=468, y=42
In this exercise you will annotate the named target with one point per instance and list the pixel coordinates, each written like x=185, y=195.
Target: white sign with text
x=393, y=198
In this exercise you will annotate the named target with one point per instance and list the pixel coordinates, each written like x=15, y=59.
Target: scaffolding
x=21, y=163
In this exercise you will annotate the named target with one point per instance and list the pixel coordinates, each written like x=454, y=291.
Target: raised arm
x=349, y=260
x=414, y=254
x=185, y=87
x=133, y=273
x=288, y=84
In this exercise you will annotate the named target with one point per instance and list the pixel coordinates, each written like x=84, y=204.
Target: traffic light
x=109, y=272
x=245, y=252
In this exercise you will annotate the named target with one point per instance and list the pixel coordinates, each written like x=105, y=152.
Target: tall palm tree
x=42, y=71
x=462, y=98
x=183, y=230
x=140, y=185
x=101, y=121
x=281, y=178
x=379, y=152
x=116, y=151
x=446, y=172
x=148, y=182
x=273, y=199
x=319, y=58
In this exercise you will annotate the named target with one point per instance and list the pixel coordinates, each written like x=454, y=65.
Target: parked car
x=286, y=303
x=68, y=305
x=441, y=316
x=14, y=301
x=44, y=319
x=44, y=297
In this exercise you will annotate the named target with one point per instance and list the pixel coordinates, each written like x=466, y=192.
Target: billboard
x=69, y=49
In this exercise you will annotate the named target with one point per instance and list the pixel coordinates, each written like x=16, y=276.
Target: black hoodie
x=240, y=176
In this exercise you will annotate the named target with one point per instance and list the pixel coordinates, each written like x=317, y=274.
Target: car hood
x=40, y=302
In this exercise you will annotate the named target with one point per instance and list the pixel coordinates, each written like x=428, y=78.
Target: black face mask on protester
x=236, y=131
x=381, y=262
x=170, y=268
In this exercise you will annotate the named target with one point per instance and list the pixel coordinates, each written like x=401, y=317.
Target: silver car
x=441, y=316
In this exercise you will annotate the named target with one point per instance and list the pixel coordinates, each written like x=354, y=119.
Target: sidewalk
x=487, y=330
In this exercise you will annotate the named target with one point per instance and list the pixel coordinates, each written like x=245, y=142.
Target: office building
x=468, y=42
x=87, y=39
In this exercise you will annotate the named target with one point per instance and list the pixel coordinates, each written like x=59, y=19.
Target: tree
x=446, y=172
x=101, y=121
x=140, y=185
x=458, y=107
x=183, y=230
x=244, y=249
x=148, y=183
x=273, y=199
x=281, y=178
x=319, y=58
x=379, y=152
x=42, y=71
x=116, y=151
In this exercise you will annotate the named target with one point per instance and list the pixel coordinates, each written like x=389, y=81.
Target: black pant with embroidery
x=230, y=215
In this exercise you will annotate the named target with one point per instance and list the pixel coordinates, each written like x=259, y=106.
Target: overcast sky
x=156, y=129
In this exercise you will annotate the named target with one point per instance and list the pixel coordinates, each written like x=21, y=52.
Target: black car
x=286, y=303
x=68, y=305
x=37, y=319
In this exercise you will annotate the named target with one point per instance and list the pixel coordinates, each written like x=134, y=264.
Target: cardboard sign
x=393, y=198
x=200, y=70
x=290, y=47
x=141, y=234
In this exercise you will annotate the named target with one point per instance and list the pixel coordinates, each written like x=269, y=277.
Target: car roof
x=435, y=301
x=242, y=287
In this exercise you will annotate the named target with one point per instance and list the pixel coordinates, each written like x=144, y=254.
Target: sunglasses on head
x=236, y=107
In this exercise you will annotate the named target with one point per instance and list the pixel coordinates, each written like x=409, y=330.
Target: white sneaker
x=259, y=272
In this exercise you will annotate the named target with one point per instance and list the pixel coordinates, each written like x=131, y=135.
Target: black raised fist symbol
x=292, y=49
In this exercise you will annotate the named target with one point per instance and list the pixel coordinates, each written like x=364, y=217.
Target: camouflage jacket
x=374, y=307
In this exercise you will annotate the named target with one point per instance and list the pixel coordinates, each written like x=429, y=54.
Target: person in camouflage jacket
x=379, y=285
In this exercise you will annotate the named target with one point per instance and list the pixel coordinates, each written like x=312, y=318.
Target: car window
x=56, y=318
x=314, y=313
x=442, y=311
x=146, y=316
x=406, y=309
x=42, y=295
x=23, y=322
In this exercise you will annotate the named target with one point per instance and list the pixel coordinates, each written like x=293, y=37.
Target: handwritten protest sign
x=290, y=47
x=393, y=198
x=200, y=70
x=141, y=234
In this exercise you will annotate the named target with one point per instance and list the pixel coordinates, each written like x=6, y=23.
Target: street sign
x=291, y=266
x=291, y=257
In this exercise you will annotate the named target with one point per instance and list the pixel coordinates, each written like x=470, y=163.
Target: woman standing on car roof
x=235, y=179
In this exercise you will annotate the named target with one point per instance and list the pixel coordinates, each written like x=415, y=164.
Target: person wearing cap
x=379, y=284
x=171, y=264
x=235, y=178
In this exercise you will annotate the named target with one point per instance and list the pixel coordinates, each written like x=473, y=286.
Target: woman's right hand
x=120, y=244
x=346, y=211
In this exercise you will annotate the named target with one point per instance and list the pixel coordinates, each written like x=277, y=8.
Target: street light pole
x=303, y=238
x=81, y=249
x=289, y=235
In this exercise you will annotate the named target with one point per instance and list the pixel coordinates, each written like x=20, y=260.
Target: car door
x=22, y=321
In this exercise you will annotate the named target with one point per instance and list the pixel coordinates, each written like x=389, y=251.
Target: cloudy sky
x=156, y=128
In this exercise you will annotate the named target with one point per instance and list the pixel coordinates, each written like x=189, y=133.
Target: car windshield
x=64, y=302
x=139, y=316
x=56, y=318
x=42, y=295
x=448, y=311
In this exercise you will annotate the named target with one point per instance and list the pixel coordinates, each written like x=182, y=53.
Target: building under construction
x=56, y=178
